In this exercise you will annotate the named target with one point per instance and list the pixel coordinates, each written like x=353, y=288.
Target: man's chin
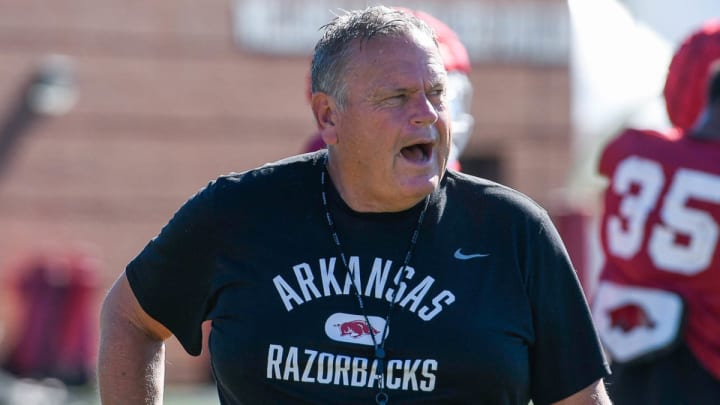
x=421, y=186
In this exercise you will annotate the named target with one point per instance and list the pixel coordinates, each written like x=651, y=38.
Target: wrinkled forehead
x=405, y=54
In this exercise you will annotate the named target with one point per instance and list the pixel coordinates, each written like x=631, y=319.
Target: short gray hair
x=333, y=50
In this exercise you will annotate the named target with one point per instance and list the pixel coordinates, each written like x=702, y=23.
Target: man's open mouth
x=418, y=153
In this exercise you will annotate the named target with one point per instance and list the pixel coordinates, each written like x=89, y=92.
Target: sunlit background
x=112, y=113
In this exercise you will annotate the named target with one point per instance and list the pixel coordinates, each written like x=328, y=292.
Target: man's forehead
x=397, y=81
x=411, y=38
x=430, y=78
x=383, y=51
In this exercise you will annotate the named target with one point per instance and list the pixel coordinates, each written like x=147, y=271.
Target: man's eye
x=395, y=99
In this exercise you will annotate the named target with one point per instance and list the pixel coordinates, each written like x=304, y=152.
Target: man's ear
x=325, y=112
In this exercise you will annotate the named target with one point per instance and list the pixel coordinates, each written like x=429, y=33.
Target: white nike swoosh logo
x=461, y=256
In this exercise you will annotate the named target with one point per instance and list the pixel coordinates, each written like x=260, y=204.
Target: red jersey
x=661, y=226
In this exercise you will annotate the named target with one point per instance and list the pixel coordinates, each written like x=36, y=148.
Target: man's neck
x=363, y=200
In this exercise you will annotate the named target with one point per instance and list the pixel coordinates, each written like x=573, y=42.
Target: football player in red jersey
x=457, y=64
x=657, y=306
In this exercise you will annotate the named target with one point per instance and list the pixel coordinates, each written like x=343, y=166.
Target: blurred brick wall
x=167, y=103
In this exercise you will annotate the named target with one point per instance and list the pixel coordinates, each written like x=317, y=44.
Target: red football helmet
x=686, y=83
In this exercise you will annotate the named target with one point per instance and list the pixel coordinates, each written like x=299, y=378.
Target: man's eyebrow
x=439, y=82
x=393, y=90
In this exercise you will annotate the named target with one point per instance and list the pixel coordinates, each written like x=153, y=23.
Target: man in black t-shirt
x=363, y=273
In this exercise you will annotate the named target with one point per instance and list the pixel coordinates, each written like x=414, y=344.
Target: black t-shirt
x=489, y=310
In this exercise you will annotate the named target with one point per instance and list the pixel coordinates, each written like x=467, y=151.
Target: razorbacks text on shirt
x=311, y=366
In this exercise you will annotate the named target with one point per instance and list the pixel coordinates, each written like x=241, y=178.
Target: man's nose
x=424, y=111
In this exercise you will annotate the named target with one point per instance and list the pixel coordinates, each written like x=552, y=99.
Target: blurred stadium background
x=113, y=112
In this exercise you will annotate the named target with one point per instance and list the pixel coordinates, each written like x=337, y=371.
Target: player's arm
x=131, y=359
x=594, y=394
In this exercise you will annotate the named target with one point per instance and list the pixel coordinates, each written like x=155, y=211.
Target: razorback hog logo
x=355, y=328
x=629, y=317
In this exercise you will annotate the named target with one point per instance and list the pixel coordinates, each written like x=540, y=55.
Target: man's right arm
x=131, y=359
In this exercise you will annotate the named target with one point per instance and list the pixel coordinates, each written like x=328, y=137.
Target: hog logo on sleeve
x=630, y=316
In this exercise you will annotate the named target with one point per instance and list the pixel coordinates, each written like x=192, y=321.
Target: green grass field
x=174, y=395
x=24, y=392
